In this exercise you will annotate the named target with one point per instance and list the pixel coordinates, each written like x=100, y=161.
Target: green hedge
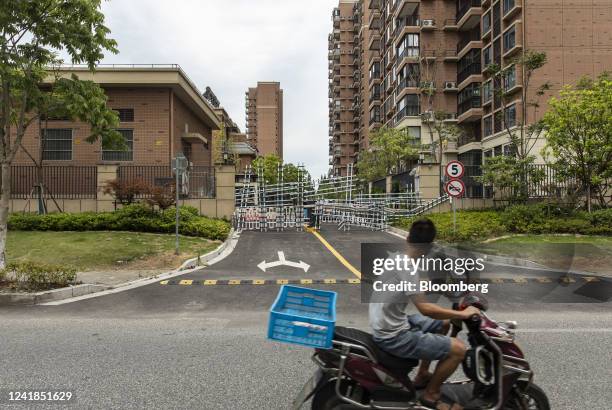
x=35, y=276
x=527, y=219
x=135, y=218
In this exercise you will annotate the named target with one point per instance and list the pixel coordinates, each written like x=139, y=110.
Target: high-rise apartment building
x=343, y=92
x=412, y=59
x=264, y=118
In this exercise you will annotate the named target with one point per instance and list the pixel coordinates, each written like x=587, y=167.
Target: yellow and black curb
x=566, y=280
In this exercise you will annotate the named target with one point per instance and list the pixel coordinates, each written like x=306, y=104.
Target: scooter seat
x=359, y=337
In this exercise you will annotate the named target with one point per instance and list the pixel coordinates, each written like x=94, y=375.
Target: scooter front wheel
x=531, y=397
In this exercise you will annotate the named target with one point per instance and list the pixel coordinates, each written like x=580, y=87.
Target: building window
x=375, y=115
x=510, y=78
x=510, y=116
x=488, y=126
x=468, y=98
x=409, y=46
x=125, y=114
x=57, y=144
x=487, y=91
x=486, y=23
x=510, y=39
x=127, y=155
x=415, y=135
x=487, y=56
x=408, y=106
x=508, y=5
x=487, y=154
x=509, y=150
x=497, y=151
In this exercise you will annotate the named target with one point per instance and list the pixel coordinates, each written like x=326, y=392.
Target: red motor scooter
x=356, y=374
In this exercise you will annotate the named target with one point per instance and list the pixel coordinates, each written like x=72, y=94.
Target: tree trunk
x=5, y=195
x=588, y=198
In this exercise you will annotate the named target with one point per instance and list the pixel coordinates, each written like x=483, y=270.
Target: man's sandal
x=434, y=405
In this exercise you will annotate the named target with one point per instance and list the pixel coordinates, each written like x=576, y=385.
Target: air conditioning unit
x=450, y=85
x=427, y=23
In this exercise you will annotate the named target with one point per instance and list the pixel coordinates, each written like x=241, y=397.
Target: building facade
x=418, y=64
x=264, y=118
x=161, y=114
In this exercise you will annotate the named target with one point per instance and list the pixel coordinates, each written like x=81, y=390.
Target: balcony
x=406, y=8
x=375, y=22
x=467, y=43
x=450, y=25
x=468, y=14
x=406, y=86
x=407, y=111
x=375, y=4
x=336, y=21
x=409, y=55
x=472, y=69
x=408, y=24
x=374, y=42
x=510, y=8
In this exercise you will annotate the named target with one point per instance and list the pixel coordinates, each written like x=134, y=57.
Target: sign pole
x=176, y=206
x=454, y=216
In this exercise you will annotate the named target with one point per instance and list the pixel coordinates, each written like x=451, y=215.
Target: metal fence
x=59, y=181
x=199, y=183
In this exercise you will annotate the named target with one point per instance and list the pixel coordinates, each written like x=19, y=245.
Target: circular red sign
x=454, y=169
x=455, y=188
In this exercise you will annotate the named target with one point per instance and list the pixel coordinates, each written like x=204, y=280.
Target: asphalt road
x=198, y=346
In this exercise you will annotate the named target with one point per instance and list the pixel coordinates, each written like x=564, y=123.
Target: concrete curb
x=86, y=291
x=12, y=299
x=490, y=258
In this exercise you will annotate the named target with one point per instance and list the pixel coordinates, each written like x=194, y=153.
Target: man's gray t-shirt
x=390, y=318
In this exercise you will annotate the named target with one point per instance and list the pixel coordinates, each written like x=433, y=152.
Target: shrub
x=134, y=218
x=162, y=197
x=471, y=225
x=39, y=276
x=125, y=192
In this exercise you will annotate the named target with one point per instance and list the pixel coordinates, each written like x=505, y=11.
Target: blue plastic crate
x=303, y=316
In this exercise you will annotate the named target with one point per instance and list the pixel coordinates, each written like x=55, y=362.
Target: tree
x=269, y=165
x=32, y=33
x=390, y=151
x=522, y=134
x=579, y=136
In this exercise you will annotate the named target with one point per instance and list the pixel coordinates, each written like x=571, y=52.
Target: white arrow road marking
x=282, y=261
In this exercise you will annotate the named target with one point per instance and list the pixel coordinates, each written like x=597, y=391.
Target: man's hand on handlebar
x=469, y=312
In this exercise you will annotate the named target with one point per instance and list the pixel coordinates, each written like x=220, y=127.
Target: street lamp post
x=179, y=166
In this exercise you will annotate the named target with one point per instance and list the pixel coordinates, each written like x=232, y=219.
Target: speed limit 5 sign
x=454, y=169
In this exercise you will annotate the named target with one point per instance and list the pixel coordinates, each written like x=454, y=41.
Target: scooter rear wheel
x=327, y=399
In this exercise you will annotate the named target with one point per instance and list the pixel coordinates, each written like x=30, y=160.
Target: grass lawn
x=584, y=253
x=88, y=251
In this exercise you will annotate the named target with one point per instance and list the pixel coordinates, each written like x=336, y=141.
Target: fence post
x=105, y=202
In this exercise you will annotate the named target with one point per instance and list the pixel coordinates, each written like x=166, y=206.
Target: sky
x=229, y=45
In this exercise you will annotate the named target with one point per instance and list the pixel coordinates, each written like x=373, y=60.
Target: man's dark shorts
x=422, y=341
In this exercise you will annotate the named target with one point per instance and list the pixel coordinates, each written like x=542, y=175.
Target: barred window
x=127, y=155
x=125, y=114
x=57, y=144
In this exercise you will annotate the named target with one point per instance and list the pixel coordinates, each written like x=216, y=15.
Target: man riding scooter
x=421, y=336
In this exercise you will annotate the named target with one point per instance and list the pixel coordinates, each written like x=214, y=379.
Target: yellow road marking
x=329, y=281
x=233, y=282
x=186, y=282
x=543, y=280
x=163, y=282
x=497, y=280
x=334, y=252
x=306, y=281
x=210, y=282
x=568, y=280
x=591, y=279
x=354, y=281
x=258, y=282
x=282, y=282
x=520, y=280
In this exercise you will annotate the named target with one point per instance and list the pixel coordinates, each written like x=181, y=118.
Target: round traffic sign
x=455, y=188
x=454, y=169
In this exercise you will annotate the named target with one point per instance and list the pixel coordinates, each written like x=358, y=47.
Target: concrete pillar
x=105, y=202
x=429, y=180
x=388, y=184
x=225, y=182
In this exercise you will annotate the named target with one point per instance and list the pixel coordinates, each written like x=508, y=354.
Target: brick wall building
x=161, y=113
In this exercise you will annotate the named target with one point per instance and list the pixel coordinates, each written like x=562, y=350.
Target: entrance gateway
x=343, y=201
